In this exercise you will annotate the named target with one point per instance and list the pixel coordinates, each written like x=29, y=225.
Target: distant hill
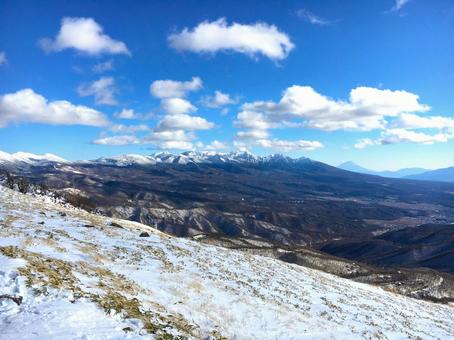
x=351, y=166
x=441, y=175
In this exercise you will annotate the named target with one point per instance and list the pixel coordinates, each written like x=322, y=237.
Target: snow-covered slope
x=30, y=158
x=126, y=160
x=88, y=276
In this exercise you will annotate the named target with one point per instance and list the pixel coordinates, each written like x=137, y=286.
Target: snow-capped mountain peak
x=125, y=160
x=184, y=158
x=30, y=158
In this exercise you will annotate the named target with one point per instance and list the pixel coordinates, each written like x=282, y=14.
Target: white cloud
x=399, y=4
x=176, y=106
x=252, y=134
x=171, y=139
x=175, y=139
x=412, y=121
x=103, y=66
x=103, y=89
x=174, y=144
x=364, y=142
x=118, y=140
x=175, y=129
x=366, y=109
x=393, y=136
x=120, y=128
x=254, y=39
x=313, y=18
x=183, y=121
x=169, y=135
x=397, y=135
x=173, y=88
x=288, y=146
x=3, y=60
x=126, y=114
x=213, y=146
x=84, y=35
x=217, y=100
x=27, y=106
x=253, y=120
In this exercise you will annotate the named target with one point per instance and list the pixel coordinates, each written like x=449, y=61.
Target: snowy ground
x=82, y=278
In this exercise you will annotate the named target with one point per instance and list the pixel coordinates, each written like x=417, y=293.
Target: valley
x=77, y=274
x=279, y=200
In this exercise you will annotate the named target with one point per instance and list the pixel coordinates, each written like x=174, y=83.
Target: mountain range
x=188, y=157
x=351, y=166
x=275, y=199
x=439, y=175
x=24, y=159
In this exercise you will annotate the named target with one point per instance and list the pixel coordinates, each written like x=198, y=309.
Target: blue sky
x=331, y=80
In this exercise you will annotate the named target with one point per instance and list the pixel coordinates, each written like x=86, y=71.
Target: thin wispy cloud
x=105, y=66
x=314, y=19
x=126, y=114
x=102, y=89
x=3, y=60
x=398, y=5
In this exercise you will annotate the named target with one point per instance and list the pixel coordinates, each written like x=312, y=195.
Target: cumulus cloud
x=365, y=110
x=173, y=88
x=84, y=35
x=288, y=145
x=252, y=134
x=102, y=89
x=219, y=99
x=175, y=130
x=120, y=128
x=396, y=135
x=27, y=106
x=252, y=40
x=117, y=140
x=175, y=139
x=313, y=18
x=364, y=142
x=413, y=121
x=126, y=114
x=213, y=146
x=253, y=120
x=3, y=60
x=176, y=106
x=169, y=135
x=104, y=66
x=174, y=144
x=184, y=121
x=171, y=139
